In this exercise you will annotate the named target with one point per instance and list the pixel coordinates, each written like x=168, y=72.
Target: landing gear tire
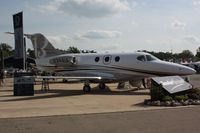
x=102, y=86
x=86, y=88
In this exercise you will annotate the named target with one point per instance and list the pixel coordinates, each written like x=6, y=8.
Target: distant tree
x=88, y=51
x=7, y=49
x=198, y=49
x=30, y=53
x=198, y=54
x=161, y=55
x=186, y=54
x=72, y=49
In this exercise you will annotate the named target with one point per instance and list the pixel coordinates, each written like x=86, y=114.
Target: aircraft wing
x=65, y=77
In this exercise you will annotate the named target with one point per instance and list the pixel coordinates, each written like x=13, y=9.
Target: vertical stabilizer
x=42, y=47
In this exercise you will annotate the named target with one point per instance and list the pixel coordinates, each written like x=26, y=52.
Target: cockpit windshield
x=146, y=58
x=151, y=58
x=141, y=58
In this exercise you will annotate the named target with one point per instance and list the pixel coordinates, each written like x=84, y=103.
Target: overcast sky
x=108, y=25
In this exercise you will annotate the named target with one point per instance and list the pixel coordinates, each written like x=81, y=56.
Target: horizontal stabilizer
x=12, y=33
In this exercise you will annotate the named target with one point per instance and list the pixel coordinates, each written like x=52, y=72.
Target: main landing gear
x=87, y=88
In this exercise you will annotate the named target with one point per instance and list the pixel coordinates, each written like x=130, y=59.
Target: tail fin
x=42, y=47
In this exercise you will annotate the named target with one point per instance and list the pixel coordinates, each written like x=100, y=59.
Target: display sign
x=172, y=84
x=23, y=80
x=19, y=40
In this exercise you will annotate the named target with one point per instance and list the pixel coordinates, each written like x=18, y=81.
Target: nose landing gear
x=102, y=86
x=86, y=87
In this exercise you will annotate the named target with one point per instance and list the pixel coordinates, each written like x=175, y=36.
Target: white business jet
x=101, y=68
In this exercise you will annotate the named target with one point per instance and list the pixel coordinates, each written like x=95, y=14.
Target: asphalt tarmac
x=69, y=99
x=67, y=109
x=178, y=120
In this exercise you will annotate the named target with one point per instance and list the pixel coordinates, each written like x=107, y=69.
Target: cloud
x=86, y=8
x=109, y=47
x=178, y=25
x=192, y=39
x=61, y=41
x=98, y=34
x=134, y=23
x=196, y=3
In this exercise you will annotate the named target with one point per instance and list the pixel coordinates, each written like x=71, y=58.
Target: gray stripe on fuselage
x=91, y=67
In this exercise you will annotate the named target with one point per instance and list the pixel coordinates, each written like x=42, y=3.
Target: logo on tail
x=42, y=47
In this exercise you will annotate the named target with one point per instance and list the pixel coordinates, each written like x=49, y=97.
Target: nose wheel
x=102, y=86
x=86, y=87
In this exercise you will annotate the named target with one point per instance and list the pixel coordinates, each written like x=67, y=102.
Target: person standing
x=1, y=77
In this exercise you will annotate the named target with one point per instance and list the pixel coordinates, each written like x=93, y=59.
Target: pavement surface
x=179, y=120
x=66, y=108
x=68, y=99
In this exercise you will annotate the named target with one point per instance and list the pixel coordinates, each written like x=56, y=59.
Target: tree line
x=185, y=55
x=9, y=51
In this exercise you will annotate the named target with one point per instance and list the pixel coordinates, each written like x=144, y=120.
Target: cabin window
x=107, y=59
x=74, y=60
x=141, y=58
x=65, y=59
x=117, y=59
x=97, y=59
x=62, y=59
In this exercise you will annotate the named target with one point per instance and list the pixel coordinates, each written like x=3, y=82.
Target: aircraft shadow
x=5, y=90
x=141, y=105
x=55, y=93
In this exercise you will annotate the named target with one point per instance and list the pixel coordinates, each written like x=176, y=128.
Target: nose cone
x=177, y=69
x=184, y=70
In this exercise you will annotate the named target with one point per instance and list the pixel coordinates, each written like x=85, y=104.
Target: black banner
x=18, y=20
x=19, y=41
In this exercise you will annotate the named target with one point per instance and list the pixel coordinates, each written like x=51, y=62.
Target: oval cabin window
x=107, y=59
x=97, y=59
x=117, y=59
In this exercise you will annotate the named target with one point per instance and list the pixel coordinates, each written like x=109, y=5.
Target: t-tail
x=42, y=47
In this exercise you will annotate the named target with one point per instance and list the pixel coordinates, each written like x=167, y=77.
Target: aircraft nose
x=187, y=70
